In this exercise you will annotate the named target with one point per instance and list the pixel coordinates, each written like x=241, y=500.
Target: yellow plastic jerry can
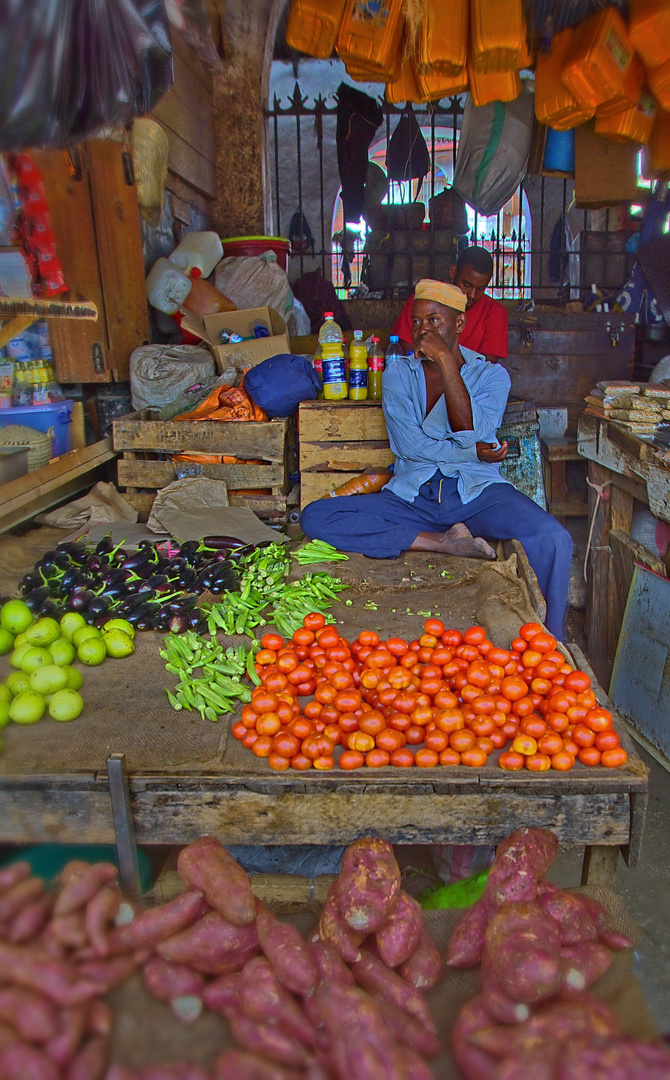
x=649, y=29
x=494, y=86
x=632, y=123
x=497, y=34
x=370, y=34
x=443, y=40
x=555, y=105
x=313, y=25
x=598, y=58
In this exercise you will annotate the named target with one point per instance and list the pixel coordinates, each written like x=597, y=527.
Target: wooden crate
x=338, y=440
x=148, y=444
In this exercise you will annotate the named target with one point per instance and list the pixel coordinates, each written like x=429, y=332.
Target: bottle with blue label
x=358, y=368
x=333, y=371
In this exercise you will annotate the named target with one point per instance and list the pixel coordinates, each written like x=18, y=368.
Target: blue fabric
x=383, y=525
x=279, y=384
x=423, y=443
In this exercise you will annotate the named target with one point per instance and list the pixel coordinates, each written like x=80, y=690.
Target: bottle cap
x=327, y=314
x=374, y=340
x=358, y=334
x=394, y=337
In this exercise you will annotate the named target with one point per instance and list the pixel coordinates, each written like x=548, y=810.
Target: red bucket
x=258, y=245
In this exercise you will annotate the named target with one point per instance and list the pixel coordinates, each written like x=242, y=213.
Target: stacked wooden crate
x=338, y=440
x=148, y=445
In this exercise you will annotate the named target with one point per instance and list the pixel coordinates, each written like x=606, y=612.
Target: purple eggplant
x=36, y=597
x=80, y=599
x=71, y=548
x=99, y=605
x=222, y=542
x=178, y=624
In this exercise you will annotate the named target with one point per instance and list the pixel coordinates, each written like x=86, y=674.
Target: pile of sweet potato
x=540, y=949
x=346, y=1004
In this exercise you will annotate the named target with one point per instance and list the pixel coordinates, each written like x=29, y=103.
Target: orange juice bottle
x=443, y=39
x=371, y=39
x=554, y=104
x=313, y=25
x=649, y=29
x=494, y=86
x=497, y=35
x=598, y=58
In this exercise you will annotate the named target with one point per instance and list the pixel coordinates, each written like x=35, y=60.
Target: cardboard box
x=209, y=328
x=605, y=171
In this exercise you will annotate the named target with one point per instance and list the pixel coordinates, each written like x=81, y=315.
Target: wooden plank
x=189, y=164
x=597, y=569
x=36, y=307
x=318, y=485
x=561, y=379
x=189, y=70
x=250, y=439
x=274, y=888
x=571, y=508
x=116, y=216
x=599, y=867
x=78, y=426
x=190, y=119
x=325, y=421
x=621, y=508
x=138, y=473
x=560, y=449
x=638, y=813
x=625, y=553
x=188, y=195
x=346, y=456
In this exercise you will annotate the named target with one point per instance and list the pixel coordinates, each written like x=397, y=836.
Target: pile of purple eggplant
x=149, y=588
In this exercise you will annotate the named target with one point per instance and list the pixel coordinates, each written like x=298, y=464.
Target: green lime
x=83, y=634
x=43, y=632
x=117, y=643
x=71, y=621
x=6, y=641
x=74, y=678
x=18, y=654
x=5, y=693
x=19, y=640
x=48, y=679
x=120, y=624
x=4, y=713
x=18, y=682
x=66, y=705
x=63, y=652
x=34, y=657
x=16, y=616
x=27, y=708
x=92, y=652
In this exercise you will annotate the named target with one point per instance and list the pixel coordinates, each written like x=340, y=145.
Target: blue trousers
x=383, y=525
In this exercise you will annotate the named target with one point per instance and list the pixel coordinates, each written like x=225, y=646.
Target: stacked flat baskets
x=38, y=443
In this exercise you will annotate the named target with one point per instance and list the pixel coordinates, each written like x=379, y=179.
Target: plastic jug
x=633, y=123
x=657, y=152
x=201, y=250
x=167, y=286
x=555, y=105
x=598, y=58
x=497, y=35
x=495, y=86
x=370, y=34
x=658, y=79
x=205, y=299
x=358, y=368
x=630, y=91
x=313, y=25
x=434, y=87
x=649, y=30
x=404, y=86
x=443, y=39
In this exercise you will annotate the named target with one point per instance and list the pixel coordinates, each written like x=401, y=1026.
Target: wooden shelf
x=20, y=312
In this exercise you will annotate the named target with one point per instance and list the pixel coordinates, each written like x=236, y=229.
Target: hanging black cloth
x=407, y=156
x=358, y=117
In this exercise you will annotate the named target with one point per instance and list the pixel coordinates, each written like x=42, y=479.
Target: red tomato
x=612, y=758
x=538, y=762
x=328, y=637
x=452, y=638
x=543, y=643
x=511, y=761
x=450, y=757
x=369, y=637
x=434, y=627
x=607, y=740
x=303, y=636
x=513, y=688
x=301, y=763
x=414, y=735
x=578, y=681
x=462, y=740
x=276, y=761
x=397, y=646
x=351, y=759
x=475, y=757
x=436, y=740
x=590, y=755
x=272, y=641
x=529, y=630
x=562, y=761
x=598, y=719
x=402, y=758
x=583, y=736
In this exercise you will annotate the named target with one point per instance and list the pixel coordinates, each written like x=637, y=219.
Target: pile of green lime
x=42, y=654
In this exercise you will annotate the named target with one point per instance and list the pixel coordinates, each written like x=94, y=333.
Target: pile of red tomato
x=448, y=698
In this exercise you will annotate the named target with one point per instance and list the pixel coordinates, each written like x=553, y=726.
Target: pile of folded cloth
x=638, y=407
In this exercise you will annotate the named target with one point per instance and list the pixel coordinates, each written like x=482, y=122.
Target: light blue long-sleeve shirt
x=423, y=444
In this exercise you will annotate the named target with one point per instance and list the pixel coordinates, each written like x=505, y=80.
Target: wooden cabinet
x=96, y=223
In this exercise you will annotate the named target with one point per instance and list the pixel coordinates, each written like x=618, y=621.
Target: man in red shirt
x=486, y=319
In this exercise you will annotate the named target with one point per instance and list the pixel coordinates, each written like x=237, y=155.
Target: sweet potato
x=221, y=995
x=556, y=1021
x=99, y=1018
x=414, y=1067
x=268, y=1040
x=28, y=923
x=582, y=965
x=368, y=886
x=90, y=1062
x=336, y=932
x=8, y=1036
x=466, y=943
x=362, y=1045
x=406, y=1031
x=522, y=859
x=526, y=918
x=534, y=1065
x=500, y=1007
x=71, y=1029
x=106, y=974
x=33, y=1016
x=159, y=924
x=168, y=981
x=83, y=886
x=288, y=954
x=475, y=1064
x=400, y=935
x=525, y=971
x=424, y=967
x=596, y=1058
x=177, y=1070
x=15, y=899
x=207, y=866
x=329, y=965
x=70, y=930
x=101, y=911
x=242, y=1065
x=12, y=874
x=212, y=945
x=23, y=1062
x=262, y=998
x=607, y=932
x=570, y=912
x=50, y=977
x=382, y=982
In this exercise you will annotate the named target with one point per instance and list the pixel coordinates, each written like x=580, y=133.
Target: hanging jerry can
x=630, y=92
x=497, y=34
x=554, y=103
x=434, y=87
x=632, y=123
x=313, y=25
x=528, y=54
x=370, y=34
x=404, y=87
x=494, y=86
x=657, y=150
x=443, y=38
x=598, y=58
x=649, y=30
x=658, y=80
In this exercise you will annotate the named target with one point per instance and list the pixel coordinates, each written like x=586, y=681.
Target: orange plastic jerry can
x=554, y=104
x=598, y=58
x=494, y=86
x=313, y=25
x=443, y=39
x=497, y=35
x=632, y=123
x=404, y=87
x=649, y=30
x=657, y=151
x=629, y=95
x=370, y=34
x=658, y=80
x=434, y=87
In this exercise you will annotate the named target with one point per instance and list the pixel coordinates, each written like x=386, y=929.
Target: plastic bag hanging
x=70, y=68
x=407, y=156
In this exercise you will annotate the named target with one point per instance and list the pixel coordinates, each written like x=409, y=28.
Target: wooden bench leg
x=599, y=867
x=559, y=490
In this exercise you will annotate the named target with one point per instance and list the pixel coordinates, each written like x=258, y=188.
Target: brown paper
x=102, y=504
x=195, y=507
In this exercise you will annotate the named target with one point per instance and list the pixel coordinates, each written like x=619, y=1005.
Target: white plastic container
x=167, y=286
x=198, y=250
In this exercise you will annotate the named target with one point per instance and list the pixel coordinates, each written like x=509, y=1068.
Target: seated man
x=486, y=319
x=442, y=411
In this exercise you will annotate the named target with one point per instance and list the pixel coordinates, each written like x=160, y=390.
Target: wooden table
x=624, y=469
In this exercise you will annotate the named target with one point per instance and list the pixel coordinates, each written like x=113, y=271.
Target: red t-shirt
x=485, y=327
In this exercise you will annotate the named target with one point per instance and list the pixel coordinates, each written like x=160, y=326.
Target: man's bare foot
x=458, y=540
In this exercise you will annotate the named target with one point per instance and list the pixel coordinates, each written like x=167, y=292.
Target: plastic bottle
x=366, y=484
x=330, y=331
x=393, y=352
x=198, y=249
x=375, y=370
x=358, y=368
x=333, y=371
x=204, y=298
x=318, y=367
